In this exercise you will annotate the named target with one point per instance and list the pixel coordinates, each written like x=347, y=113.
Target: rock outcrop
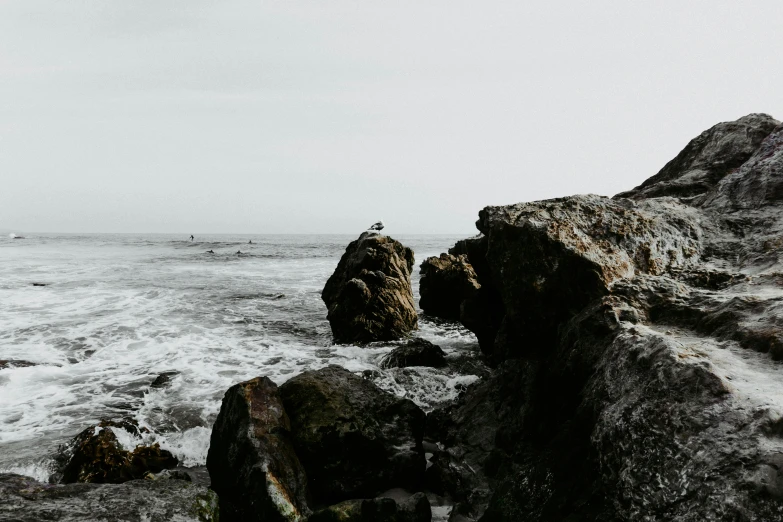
x=446, y=283
x=353, y=439
x=22, y=499
x=96, y=455
x=637, y=340
x=251, y=458
x=415, y=352
x=369, y=296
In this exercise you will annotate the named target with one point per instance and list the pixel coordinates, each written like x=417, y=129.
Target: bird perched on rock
x=377, y=226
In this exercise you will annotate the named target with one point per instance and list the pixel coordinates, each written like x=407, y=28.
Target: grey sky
x=284, y=117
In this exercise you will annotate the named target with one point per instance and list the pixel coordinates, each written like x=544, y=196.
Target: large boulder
x=96, y=455
x=23, y=499
x=446, y=283
x=354, y=439
x=369, y=296
x=251, y=459
x=637, y=348
x=549, y=259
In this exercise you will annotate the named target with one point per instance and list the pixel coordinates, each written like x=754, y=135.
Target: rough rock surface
x=251, y=459
x=638, y=341
x=369, y=296
x=354, y=439
x=22, y=499
x=446, y=283
x=415, y=509
x=415, y=352
x=95, y=455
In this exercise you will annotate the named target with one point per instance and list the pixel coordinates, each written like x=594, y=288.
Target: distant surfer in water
x=191, y=237
x=210, y=251
x=239, y=252
x=250, y=242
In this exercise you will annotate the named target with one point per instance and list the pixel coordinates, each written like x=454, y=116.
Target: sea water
x=117, y=310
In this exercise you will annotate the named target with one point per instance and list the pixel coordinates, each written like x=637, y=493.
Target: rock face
x=22, y=499
x=354, y=439
x=416, y=352
x=251, y=459
x=95, y=455
x=369, y=296
x=446, y=283
x=637, y=340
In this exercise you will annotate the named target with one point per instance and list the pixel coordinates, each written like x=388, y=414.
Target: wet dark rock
x=23, y=499
x=369, y=296
x=636, y=347
x=15, y=363
x=164, y=379
x=446, y=283
x=251, y=459
x=354, y=439
x=416, y=352
x=415, y=509
x=95, y=455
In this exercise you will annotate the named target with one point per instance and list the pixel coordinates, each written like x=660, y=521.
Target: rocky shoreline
x=632, y=348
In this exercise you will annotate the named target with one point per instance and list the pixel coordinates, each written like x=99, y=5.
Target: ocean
x=102, y=315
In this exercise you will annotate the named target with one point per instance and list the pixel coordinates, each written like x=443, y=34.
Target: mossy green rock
x=354, y=439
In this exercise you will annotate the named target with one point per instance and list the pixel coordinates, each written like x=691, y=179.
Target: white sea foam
x=118, y=311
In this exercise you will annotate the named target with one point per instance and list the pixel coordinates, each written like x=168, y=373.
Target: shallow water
x=118, y=310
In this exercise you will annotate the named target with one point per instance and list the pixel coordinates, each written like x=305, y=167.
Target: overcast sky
x=199, y=116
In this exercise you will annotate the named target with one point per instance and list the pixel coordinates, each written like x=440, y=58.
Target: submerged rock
x=163, y=379
x=251, y=459
x=369, y=296
x=416, y=352
x=415, y=509
x=354, y=439
x=95, y=455
x=15, y=363
x=23, y=499
x=636, y=346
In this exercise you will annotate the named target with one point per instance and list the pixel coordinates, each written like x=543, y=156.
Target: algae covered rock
x=369, y=296
x=354, y=439
x=251, y=459
x=95, y=455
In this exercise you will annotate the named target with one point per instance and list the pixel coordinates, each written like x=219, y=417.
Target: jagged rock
x=446, y=282
x=707, y=159
x=354, y=439
x=549, y=259
x=95, y=455
x=251, y=459
x=415, y=509
x=637, y=377
x=23, y=499
x=416, y=352
x=369, y=296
